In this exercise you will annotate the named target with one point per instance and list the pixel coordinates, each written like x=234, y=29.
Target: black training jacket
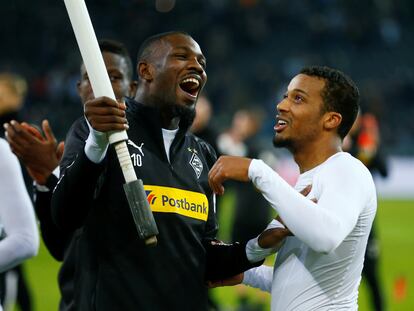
x=59, y=243
x=115, y=271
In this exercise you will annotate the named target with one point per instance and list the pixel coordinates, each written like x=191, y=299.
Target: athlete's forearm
x=320, y=227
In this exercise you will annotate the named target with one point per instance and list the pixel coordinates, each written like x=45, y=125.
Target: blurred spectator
x=239, y=140
x=201, y=126
x=13, y=89
x=363, y=142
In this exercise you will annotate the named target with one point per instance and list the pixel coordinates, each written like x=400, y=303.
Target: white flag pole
x=101, y=86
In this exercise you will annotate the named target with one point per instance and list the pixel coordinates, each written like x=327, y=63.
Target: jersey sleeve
x=322, y=226
x=73, y=195
x=212, y=224
x=74, y=143
x=55, y=239
x=259, y=277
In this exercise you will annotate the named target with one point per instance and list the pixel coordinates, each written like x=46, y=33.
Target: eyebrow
x=300, y=91
x=187, y=49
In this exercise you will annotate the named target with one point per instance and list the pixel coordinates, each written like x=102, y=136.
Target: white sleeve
x=96, y=145
x=322, y=226
x=16, y=213
x=254, y=252
x=260, y=277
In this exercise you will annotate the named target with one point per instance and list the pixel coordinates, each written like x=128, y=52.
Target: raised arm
x=322, y=226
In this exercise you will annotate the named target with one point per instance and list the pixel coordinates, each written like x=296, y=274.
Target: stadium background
x=253, y=48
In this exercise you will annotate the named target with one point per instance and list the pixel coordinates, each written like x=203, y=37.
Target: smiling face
x=300, y=114
x=177, y=73
x=117, y=68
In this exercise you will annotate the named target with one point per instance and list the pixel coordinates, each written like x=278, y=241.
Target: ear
x=332, y=120
x=133, y=88
x=145, y=71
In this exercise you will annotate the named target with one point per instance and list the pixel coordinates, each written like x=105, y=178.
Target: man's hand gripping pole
x=101, y=86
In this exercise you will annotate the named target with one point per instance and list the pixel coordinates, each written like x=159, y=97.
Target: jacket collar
x=150, y=116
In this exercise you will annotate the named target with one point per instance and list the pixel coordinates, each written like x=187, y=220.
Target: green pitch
x=395, y=225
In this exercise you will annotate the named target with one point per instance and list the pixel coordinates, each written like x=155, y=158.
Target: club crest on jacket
x=196, y=164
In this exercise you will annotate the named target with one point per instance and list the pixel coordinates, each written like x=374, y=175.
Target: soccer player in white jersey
x=319, y=267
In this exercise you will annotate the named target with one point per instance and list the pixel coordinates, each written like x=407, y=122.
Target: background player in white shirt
x=319, y=268
x=19, y=239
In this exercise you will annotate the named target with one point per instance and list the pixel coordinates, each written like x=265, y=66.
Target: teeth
x=281, y=122
x=191, y=80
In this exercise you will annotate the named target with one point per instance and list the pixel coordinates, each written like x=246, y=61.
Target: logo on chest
x=136, y=157
x=195, y=162
x=177, y=201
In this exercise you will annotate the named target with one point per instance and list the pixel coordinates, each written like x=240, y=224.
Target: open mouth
x=280, y=125
x=191, y=86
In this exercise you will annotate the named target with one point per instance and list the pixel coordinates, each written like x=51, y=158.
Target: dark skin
x=176, y=58
x=41, y=153
x=117, y=68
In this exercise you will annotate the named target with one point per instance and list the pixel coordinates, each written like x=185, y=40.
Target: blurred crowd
x=252, y=47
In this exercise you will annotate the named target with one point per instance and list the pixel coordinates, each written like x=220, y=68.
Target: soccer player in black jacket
x=116, y=271
x=41, y=156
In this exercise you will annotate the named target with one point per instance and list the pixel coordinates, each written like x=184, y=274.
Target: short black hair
x=116, y=47
x=147, y=47
x=340, y=94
